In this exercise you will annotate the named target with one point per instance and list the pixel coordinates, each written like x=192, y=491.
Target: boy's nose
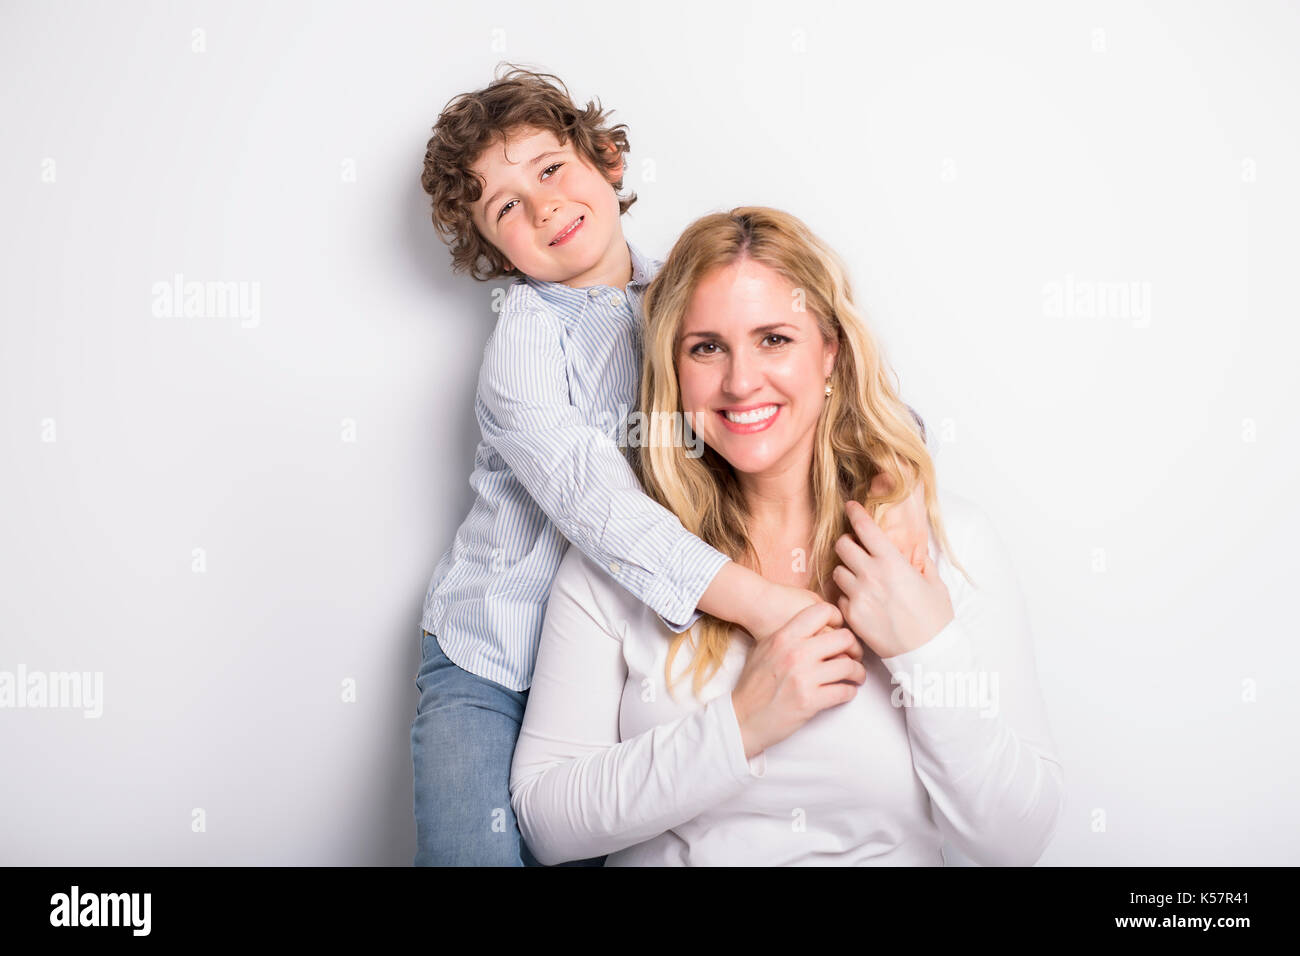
x=546, y=210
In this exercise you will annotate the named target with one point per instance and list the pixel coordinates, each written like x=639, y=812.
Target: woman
x=871, y=744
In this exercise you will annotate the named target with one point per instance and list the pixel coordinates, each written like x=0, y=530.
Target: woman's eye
x=696, y=349
x=780, y=339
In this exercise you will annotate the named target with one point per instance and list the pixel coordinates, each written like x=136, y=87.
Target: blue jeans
x=462, y=741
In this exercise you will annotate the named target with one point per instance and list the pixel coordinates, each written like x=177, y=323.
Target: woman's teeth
x=753, y=415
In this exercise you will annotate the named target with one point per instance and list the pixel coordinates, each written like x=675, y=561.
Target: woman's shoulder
x=975, y=541
x=962, y=516
x=581, y=580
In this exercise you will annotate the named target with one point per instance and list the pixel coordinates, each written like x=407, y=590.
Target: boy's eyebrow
x=531, y=163
x=765, y=329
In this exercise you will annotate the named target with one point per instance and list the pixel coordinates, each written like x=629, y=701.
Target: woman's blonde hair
x=864, y=429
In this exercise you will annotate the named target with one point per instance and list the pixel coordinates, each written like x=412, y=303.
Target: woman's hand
x=796, y=673
x=888, y=603
x=906, y=524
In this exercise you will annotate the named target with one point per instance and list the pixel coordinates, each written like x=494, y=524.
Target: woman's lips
x=568, y=236
x=748, y=428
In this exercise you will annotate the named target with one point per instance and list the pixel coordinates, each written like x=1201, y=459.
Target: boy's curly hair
x=472, y=122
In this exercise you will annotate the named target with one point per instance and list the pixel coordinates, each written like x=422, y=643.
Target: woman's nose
x=741, y=377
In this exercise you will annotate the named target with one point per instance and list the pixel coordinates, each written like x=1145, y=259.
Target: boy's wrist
x=735, y=595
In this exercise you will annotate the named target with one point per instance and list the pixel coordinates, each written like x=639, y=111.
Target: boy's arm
x=760, y=606
x=584, y=484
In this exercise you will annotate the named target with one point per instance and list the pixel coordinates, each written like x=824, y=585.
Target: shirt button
x=614, y=568
x=592, y=293
x=615, y=300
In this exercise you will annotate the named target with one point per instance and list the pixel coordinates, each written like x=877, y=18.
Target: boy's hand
x=780, y=603
x=761, y=608
x=906, y=523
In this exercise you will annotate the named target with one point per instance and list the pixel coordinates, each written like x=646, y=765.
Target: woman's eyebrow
x=765, y=329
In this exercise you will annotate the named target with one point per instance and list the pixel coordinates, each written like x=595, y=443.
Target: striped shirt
x=559, y=377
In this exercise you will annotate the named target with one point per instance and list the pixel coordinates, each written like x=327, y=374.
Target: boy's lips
x=568, y=232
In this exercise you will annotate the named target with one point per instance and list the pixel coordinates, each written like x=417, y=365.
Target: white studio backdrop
x=1072, y=225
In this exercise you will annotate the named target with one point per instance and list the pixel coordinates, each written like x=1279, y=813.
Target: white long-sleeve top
x=607, y=762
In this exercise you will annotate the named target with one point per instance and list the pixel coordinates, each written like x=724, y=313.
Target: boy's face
x=535, y=190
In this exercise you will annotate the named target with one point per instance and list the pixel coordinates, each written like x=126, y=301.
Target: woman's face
x=752, y=368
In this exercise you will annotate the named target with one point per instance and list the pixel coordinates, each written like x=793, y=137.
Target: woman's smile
x=753, y=369
x=755, y=418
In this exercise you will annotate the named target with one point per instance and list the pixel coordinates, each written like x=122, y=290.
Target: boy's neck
x=614, y=268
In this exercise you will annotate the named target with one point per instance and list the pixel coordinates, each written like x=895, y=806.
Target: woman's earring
x=828, y=388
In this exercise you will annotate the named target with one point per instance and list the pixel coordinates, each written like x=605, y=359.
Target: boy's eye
x=506, y=208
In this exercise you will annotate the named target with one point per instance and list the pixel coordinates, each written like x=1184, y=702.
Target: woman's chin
x=747, y=461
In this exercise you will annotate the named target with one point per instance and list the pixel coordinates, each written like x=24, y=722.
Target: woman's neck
x=780, y=507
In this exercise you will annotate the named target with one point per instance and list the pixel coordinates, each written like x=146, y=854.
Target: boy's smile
x=551, y=213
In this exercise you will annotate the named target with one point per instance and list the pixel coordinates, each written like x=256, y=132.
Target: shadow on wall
x=460, y=307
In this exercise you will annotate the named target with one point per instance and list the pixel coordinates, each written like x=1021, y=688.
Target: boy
x=524, y=183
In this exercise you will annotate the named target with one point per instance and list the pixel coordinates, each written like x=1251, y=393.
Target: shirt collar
x=640, y=267
x=570, y=299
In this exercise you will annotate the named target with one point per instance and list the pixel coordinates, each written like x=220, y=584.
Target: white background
x=962, y=158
